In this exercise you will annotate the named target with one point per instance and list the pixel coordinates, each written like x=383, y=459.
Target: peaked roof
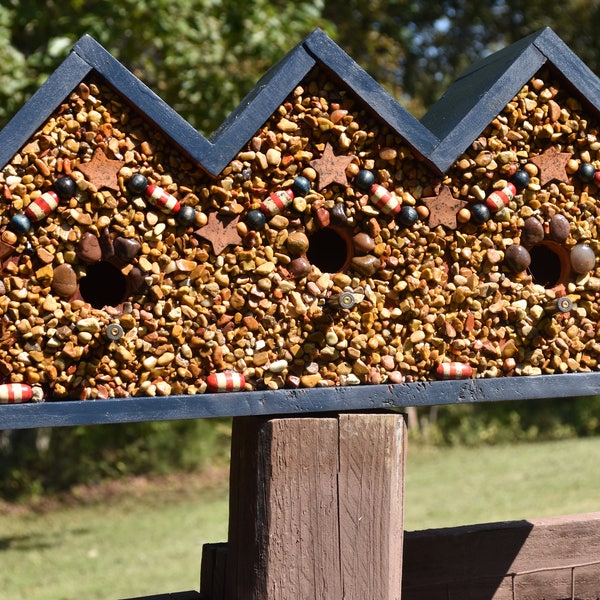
x=215, y=154
x=483, y=90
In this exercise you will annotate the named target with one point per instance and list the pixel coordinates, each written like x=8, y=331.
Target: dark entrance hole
x=547, y=265
x=329, y=250
x=103, y=285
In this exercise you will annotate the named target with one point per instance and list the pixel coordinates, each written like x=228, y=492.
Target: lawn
x=146, y=537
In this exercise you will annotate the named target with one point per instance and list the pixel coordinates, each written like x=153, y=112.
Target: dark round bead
x=186, y=215
x=20, y=223
x=28, y=250
x=364, y=180
x=408, y=216
x=586, y=172
x=520, y=179
x=256, y=219
x=137, y=184
x=65, y=187
x=480, y=213
x=301, y=186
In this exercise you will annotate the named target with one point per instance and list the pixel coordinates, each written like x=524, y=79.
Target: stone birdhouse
x=322, y=239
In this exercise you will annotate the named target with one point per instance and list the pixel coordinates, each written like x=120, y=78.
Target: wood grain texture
x=316, y=508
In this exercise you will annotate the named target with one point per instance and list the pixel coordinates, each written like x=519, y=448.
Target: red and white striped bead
x=227, y=381
x=277, y=202
x=161, y=199
x=501, y=198
x=454, y=370
x=15, y=393
x=41, y=207
x=384, y=200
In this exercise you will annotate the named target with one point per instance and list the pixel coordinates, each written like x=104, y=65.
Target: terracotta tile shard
x=101, y=171
x=331, y=168
x=443, y=208
x=220, y=232
x=552, y=165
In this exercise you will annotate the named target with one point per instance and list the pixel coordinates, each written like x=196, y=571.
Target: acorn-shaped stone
x=19, y=223
x=137, y=184
x=560, y=228
x=517, y=258
x=586, y=172
x=65, y=187
x=256, y=219
x=364, y=180
x=520, y=179
x=186, y=215
x=533, y=232
x=301, y=186
x=480, y=213
x=583, y=259
x=408, y=216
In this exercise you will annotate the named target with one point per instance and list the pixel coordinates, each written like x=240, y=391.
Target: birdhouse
x=323, y=239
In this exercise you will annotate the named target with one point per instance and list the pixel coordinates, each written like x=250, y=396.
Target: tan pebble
x=9, y=237
x=273, y=157
x=388, y=154
x=163, y=388
x=417, y=336
x=464, y=215
x=310, y=381
x=165, y=358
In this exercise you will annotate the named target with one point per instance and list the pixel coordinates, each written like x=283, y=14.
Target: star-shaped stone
x=552, y=165
x=102, y=172
x=220, y=232
x=331, y=168
x=443, y=208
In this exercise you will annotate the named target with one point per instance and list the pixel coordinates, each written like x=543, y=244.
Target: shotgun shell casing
x=227, y=381
x=559, y=305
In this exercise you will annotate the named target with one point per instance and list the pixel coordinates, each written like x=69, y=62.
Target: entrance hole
x=550, y=264
x=329, y=250
x=103, y=285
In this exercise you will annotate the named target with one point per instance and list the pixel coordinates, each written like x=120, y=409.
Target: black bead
x=65, y=187
x=256, y=219
x=301, y=186
x=408, y=216
x=28, y=250
x=480, y=213
x=364, y=180
x=186, y=215
x=586, y=172
x=137, y=184
x=520, y=179
x=20, y=223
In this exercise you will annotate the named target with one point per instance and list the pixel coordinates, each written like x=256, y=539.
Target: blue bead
x=586, y=172
x=186, y=215
x=65, y=187
x=520, y=179
x=408, y=216
x=480, y=213
x=137, y=184
x=301, y=186
x=256, y=219
x=20, y=223
x=364, y=180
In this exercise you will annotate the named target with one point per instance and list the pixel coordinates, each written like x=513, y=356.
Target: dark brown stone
x=299, y=267
x=366, y=265
x=126, y=249
x=363, y=242
x=64, y=282
x=88, y=249
x=517, y=258
x=533, y=232
x=560, y=228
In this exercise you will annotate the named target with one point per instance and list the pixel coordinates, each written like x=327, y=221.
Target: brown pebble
x=517, y=258
x=126, y=249
x=559, y=228
x=299, y=267
x=64, y=281
x=363, y=242
x=533, y=232
x=88, y=249
x=297, y=243
x=366, y=265
x=323, y=217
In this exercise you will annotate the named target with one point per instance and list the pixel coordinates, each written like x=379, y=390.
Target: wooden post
x=316, y=508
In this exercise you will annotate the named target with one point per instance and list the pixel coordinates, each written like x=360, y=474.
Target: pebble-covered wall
x=327, y=253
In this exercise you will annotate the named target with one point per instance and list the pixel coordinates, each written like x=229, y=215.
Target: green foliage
x=508, y=422
x=33, y=462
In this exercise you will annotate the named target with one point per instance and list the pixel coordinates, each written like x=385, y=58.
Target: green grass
x=140, y=538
